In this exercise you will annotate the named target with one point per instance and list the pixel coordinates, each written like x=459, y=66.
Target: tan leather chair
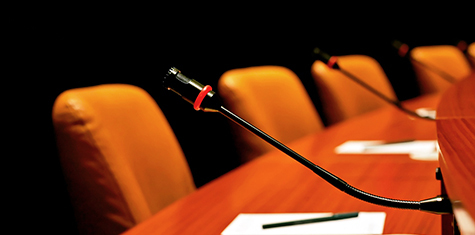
x=471, y=53
x=431, y=62
x=274, y=100
x=120, y=157
x=341, y=97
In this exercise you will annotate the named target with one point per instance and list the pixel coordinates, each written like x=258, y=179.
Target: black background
x=50, y=49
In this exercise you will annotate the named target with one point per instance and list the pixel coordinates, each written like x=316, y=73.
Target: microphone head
x=402, y=48
x=326, y=58
x=321, y=55
x=190, y=90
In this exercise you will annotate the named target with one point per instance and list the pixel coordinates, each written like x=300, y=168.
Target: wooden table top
x=456, y=136
x=275, y=183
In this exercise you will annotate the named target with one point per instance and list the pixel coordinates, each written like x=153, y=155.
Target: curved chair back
x=437, y=67
x=471, y=53
x=120, y=157
x=274, y=100
x=343, y=98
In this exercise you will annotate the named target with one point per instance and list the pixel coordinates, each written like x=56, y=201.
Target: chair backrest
x=274, y=100
x=471, y=54
x=120, y=157
x=433, y=64
x=343, y=98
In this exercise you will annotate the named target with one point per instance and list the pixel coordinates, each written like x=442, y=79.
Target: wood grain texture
x=275, y=183
x=456, y=137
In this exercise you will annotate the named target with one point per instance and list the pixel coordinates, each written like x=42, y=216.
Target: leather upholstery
x=120, y=157
x=274, y=100
x=446, y=58
x=341, y=97
x=471, y=53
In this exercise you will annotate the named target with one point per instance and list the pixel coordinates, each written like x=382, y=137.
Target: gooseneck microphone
x=403, y=49
x=203, y=98
x=332, y=62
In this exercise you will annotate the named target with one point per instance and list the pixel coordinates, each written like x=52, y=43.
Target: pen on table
x=314, y=220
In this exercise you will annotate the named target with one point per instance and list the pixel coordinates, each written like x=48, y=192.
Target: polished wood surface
x=456, y=137
x=275, y=183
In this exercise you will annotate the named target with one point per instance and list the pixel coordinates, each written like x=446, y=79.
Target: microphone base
x=437, y=205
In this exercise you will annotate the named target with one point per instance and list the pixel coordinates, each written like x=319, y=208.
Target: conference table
x=276, y=183
x=456, y=138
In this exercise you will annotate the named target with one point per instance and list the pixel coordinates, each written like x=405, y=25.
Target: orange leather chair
x=120, y=157
x=471, y=53
x=274, y=100
x=430, y=63
x=341, y=97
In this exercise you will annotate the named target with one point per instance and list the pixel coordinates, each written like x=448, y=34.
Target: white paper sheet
x=425, y=112
x=419, y=149
x=251, y=224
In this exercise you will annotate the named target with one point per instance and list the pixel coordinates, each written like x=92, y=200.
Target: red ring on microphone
x=201, y=96
x=403, y=49
x=332, y=61
x=462, y=45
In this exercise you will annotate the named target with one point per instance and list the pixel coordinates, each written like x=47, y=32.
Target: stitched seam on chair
x=88, y=134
